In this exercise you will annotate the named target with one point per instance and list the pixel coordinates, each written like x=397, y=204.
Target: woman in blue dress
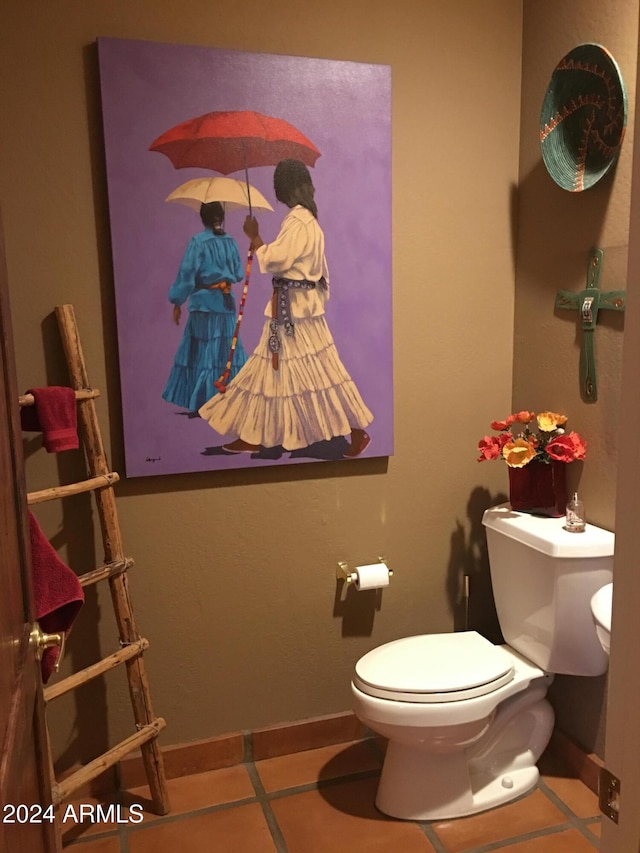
x=211, y=264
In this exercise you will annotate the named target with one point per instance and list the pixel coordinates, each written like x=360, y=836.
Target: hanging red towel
x=57, y=592
x=54, y=415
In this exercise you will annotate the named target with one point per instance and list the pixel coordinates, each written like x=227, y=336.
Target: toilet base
x=420, y=784
x=442, y=787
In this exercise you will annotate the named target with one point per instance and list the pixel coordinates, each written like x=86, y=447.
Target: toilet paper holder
x=343, y=573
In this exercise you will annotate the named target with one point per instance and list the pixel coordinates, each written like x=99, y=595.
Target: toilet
x=466, y=720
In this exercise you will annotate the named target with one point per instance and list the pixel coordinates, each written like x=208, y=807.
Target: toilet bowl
x=467, y=720
x=465, y=729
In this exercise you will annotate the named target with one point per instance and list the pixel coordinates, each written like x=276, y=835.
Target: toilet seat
x=434, y=668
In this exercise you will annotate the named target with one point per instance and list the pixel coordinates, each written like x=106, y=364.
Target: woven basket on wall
x=583, y=117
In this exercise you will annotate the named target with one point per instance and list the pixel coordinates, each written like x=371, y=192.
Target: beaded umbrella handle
x=221, y=382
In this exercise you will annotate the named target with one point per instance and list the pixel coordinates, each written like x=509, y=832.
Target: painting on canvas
x=235, y=354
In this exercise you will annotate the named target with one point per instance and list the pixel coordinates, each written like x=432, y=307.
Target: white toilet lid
x=434, y=668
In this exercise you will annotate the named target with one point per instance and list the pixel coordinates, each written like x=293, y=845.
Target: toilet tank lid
x=548, y=534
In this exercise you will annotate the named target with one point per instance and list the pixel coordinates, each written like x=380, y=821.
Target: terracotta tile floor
x=322, y=801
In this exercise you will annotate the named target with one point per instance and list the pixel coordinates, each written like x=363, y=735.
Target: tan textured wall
x=556, y=232
x=234, y=583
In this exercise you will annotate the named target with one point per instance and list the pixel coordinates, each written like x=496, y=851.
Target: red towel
x=57, y=592
x=54, y=415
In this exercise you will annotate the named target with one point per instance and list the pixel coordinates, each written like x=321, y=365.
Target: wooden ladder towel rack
x=101, y=481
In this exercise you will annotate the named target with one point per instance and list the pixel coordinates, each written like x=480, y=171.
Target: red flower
x=567, y=447
x=490, y=446
x=499, y=426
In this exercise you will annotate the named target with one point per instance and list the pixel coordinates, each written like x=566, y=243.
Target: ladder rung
x=109, y=570
x=89, y=485
x=63, y=789
x=84, y=675
x=83, y=394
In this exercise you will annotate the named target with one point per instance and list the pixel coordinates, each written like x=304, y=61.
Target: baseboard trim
x=584, y=765
x=234, y=748
x=286, y=738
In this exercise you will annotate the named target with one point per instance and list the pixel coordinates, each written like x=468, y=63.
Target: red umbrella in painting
x=231, y=141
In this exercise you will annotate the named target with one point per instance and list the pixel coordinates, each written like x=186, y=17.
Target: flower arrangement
x=519, y=447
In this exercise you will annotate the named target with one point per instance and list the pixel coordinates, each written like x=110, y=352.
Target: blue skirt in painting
x=201, y=359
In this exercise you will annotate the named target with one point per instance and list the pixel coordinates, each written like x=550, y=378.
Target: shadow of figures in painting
x=332, y=450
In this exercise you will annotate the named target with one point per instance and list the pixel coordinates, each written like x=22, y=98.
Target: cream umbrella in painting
x=233, y=194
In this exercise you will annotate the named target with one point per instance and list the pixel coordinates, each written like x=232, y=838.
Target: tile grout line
x=572, y=822
x=430, y=833
x=171, y=817
x=579, y=823
x=517, y=839
x=590, y=836
x=261, y=795
x=560, y=803
x=304, y=788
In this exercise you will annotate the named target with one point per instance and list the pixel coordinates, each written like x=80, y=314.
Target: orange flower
x=549, y=421
x=518, y=453
x=524, y=417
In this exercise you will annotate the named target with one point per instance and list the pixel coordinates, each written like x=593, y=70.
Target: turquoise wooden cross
x=588, y=302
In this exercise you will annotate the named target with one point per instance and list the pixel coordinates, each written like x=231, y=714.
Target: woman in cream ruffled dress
x=293, y=390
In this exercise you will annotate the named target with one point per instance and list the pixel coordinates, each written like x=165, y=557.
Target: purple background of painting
x=344, y=108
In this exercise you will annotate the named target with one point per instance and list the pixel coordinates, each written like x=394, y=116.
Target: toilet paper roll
x=373, y=576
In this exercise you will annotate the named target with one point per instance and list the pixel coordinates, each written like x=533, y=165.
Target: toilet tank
x=543, y=578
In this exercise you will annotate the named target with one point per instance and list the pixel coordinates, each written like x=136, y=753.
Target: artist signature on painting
x=153, y=459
